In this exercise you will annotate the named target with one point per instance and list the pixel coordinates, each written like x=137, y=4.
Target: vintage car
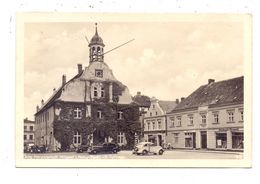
x=144, y=148
x=104, y=148
x=82, y=148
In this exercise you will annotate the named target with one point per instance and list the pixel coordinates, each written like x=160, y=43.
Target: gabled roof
x=216, y=93
x=167, y=106
x=56, y=95
x=142, y=100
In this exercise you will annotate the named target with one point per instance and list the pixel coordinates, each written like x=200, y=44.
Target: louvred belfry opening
x=96, y=48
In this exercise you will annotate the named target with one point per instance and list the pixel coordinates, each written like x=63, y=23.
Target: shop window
x=77, y=113
x=237, y=140
x=76, y=138
x=221, y=140
x=188, y=140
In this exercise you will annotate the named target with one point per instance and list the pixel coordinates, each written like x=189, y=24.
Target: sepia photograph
x=133, y=90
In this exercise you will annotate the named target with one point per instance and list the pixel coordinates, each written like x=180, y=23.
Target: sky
x=167, y=60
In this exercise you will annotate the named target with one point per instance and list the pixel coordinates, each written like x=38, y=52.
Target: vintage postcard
x=133, y=90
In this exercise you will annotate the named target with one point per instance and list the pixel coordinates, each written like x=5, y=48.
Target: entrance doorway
x=203, y=139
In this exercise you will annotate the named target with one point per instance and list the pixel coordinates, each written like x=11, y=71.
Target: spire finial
x=96, y=28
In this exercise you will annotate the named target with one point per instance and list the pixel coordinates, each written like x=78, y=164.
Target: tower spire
x=96, y=29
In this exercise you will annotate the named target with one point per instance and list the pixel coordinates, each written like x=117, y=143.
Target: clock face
x=99, y=73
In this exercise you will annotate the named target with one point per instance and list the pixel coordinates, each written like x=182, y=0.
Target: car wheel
x=114, y=151
x=145, y=152
x=160, y=152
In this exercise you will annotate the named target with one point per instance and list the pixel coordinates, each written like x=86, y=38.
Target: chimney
x=79, y=68
x=182, y=98
x=177, y=101
x=37, y=108
x=138, y=92
x=42, y=102
x=210, y=81
x=63, y=80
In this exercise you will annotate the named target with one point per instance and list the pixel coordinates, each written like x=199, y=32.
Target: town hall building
x=91, y=108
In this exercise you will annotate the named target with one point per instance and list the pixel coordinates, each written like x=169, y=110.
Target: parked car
x=104, y=148
x=38, y=149
x=145, y=148
x=82, y=148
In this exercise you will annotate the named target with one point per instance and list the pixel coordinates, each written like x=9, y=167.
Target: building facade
x=155, y=121
x=91, y=108
x=28, y=130
x=211, y=117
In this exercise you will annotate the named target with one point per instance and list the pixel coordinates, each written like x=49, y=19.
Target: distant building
x=155, y=121
x=91, y=108
x=212, y=117
x=28, y=131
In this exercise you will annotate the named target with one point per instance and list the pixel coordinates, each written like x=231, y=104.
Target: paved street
x=172, y=154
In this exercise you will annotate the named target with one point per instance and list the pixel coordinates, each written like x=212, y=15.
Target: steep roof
x=56, y=95
x=216, y=93
x=142, y=100
x=167, y=106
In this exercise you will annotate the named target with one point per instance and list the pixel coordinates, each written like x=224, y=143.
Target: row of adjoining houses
x=212, y=117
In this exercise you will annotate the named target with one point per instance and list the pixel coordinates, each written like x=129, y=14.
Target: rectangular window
x=221, y=140
x=77, y=113
x=120, y=115
x=203, y=119
x=153, y=125
x=230, y=116
x=216, y=118
x=175, y=137
x=25, y=137
x=159, y=124
x=179, y=121
x=172, y=121
x=156, y=113
x=31, y=137
x=237, y=140
x=31, y=128
x=77, y=138
x=95, y=92
x=25, y=127
x=99, y=114
x=148, y=126
x=120, y=138
x=150, y=114
x=190, y=120
x=88, y=111
x=241, y=115
x=102, y=92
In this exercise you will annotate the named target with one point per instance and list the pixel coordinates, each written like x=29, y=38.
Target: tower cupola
x=96, y=48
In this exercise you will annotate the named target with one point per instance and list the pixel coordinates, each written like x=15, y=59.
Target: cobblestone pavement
x=171, y=154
